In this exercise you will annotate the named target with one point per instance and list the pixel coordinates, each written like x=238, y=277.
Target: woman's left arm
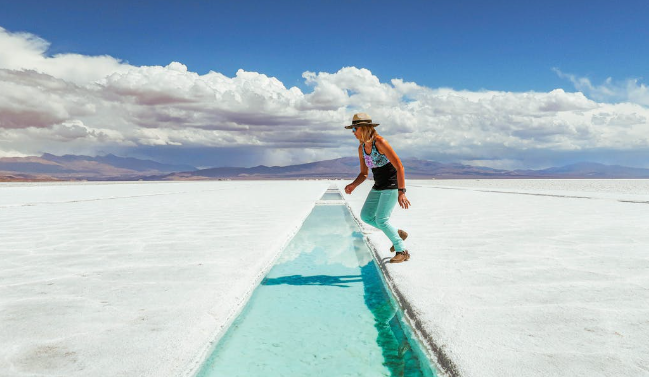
x=385, y=148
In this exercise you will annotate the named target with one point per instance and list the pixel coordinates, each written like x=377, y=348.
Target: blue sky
x=502, y=83
x=498, y=45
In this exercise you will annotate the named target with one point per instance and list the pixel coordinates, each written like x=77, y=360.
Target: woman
x=389, y=182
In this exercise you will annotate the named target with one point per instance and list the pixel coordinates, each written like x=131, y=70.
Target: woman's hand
x=349, y=188
x=403, y=201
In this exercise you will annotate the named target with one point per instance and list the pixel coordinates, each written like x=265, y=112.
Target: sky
x=501, y=84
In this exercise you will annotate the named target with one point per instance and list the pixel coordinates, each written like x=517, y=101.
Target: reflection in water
x=400, y=358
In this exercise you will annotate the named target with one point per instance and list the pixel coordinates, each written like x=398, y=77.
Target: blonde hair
x=366, y=133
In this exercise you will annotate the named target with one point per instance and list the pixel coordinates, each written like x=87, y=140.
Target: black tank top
x=385, y=177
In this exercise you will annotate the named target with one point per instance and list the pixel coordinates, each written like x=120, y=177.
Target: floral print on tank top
x=374, y=159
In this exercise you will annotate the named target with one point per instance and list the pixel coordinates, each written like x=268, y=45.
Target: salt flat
x=528, y=278
x=133, y=279
x=510, y=278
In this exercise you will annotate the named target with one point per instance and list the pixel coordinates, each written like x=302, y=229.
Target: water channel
x=322, y=310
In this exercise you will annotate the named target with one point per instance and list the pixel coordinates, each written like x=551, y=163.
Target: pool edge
x=194, y=366
x=435, y=352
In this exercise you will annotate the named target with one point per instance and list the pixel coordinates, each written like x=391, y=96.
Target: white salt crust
x=133, y=279
x=523, y=278
x=517, y=278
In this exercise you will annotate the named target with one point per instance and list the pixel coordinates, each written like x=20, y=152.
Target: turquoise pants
x=377, y=210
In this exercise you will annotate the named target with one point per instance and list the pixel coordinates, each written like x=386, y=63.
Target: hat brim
x=361, y=125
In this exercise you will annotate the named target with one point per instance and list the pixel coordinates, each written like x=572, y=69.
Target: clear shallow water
x=322, y=310
x=331, y=196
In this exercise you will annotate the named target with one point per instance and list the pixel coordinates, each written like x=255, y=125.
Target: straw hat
x=361, y=119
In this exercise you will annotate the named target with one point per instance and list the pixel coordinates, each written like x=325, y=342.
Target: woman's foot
x=403, y=235
x=401, y=256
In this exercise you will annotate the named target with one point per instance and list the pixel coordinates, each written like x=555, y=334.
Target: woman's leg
x=368, y=213
x=386, y=204
x=377, y=210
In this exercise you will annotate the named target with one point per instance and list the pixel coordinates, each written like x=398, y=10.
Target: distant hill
x=339, y=168
x=72, y=167
x=588, y=170
x=111, y=167
x=348, y=167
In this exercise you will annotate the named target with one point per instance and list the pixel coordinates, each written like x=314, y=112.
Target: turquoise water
x=322, y=310
x=331, y=196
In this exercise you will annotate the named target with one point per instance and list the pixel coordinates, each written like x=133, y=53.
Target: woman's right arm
x=362, y=176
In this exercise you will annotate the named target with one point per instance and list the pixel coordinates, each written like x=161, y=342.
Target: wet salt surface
x=133, y=278
x=512, y=284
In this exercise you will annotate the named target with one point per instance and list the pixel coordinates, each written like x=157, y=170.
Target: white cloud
x=31, y=99
x=78, y=104
x=24, y=51
x=12, y=153
x=629, y=90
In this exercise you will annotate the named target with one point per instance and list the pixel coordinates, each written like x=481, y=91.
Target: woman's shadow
x=333, y=281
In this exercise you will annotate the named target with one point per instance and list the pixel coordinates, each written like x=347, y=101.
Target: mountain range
x=49, y=167
x=110, y=167
x=348, y=167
